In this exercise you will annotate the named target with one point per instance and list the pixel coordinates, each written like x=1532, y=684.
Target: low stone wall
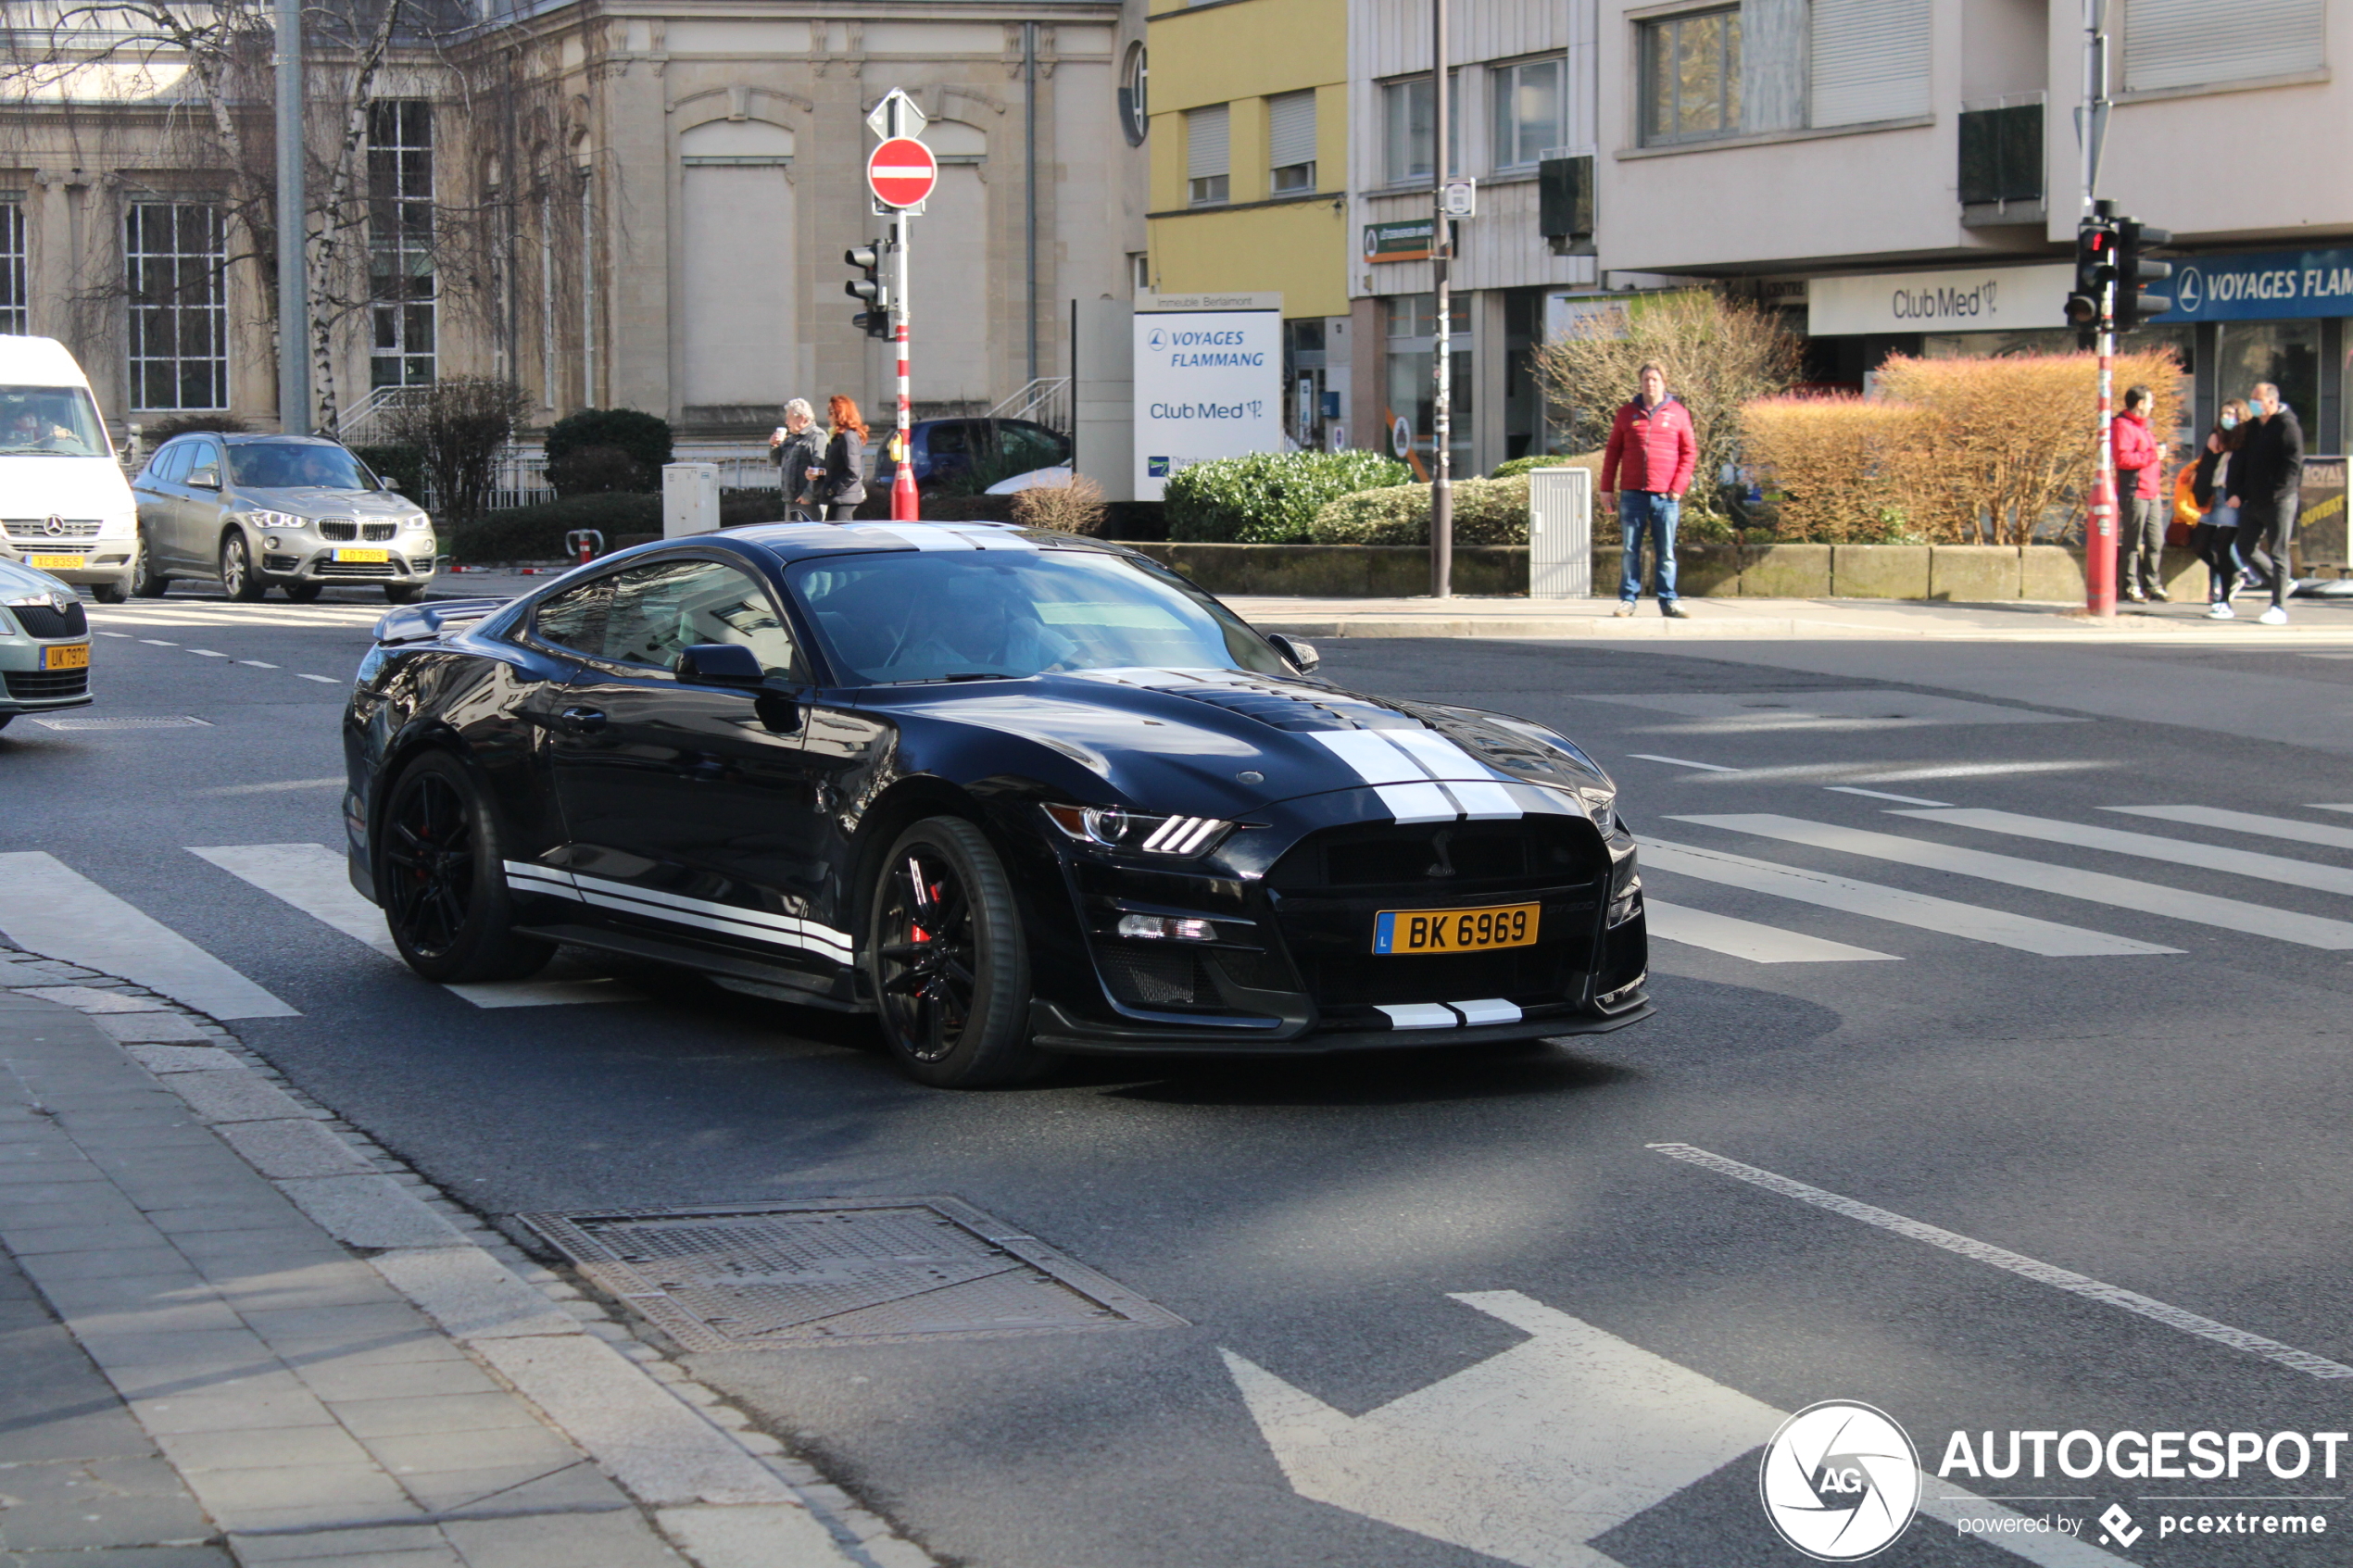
x=1954, y=573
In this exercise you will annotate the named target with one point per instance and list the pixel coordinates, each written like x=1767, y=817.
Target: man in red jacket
x=2139, y=457
x=1644, y=473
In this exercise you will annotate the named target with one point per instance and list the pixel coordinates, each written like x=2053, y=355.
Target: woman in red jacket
x=1645, y=470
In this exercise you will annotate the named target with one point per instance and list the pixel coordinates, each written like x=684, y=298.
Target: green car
x=44, y=644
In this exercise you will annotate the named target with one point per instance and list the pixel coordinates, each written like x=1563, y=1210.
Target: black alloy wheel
x=303, y=593
x=439, y=878
x=238, y=579
x=147, y=583
x=951, y=962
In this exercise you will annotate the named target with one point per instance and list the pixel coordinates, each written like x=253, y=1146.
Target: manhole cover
x=179, y=723
x=838, y=1271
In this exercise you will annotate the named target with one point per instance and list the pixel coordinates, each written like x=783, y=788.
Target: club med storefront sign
x=1977, y=300
x=1209, y=381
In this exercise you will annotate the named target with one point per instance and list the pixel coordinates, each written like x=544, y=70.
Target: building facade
x=612, y=204
x=1249, y=136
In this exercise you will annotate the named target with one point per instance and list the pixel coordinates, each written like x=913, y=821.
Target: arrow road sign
x=901, y=172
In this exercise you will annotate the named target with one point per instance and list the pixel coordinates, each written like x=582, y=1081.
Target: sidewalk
x=238, y=1333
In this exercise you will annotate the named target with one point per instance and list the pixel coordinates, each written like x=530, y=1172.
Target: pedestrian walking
x=798, y=448
x=1645, y=470
x=2215, y=537
x=2265, y=486
x=839, y=484
x=2140, y=457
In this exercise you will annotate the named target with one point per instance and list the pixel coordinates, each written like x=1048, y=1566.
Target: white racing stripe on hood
x=1422, y=776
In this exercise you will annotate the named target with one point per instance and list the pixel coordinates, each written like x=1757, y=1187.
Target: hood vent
x=1283, y=710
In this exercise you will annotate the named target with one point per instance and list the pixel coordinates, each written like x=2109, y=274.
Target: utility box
x=689, y=499
x=1560, y=533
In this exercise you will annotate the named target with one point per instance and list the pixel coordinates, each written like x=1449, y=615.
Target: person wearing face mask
x=2265, y=480
x=2139, y=456
x=2216, y=529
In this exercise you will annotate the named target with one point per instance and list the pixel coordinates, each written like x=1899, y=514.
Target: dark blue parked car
x=944, y=448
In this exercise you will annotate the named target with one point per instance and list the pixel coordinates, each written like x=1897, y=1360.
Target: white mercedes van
x=65, y=507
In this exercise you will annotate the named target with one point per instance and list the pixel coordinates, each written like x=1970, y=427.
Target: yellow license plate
x=363, y=555
x=55, y=563
x=1455, y=931
x=72, y=655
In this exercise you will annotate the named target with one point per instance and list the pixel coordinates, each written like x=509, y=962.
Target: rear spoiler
x=425, y=622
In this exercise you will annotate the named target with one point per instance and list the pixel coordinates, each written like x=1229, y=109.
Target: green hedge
x=405, y=466
x=1518, y=466
x=537, y=534
x=645, y=437
x=1269, y=497
x=1487, y=511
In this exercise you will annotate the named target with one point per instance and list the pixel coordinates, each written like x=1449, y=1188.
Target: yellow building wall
x=1240, y=54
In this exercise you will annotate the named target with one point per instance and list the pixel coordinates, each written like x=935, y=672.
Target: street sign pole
x=1441, y=488
x=904, y=506
x=900, y=173
x=2099, y=529
x=294, y=281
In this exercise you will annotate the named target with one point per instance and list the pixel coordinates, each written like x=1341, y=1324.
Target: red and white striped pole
x=904, y=504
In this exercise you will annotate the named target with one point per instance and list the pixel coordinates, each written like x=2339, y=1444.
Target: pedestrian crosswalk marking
x=50, y=909
x=2045, y=938
x=2096, y=887
x=1882, y=794
x=2150, y=846
x=2247, y=822
x=314, y=879
x=1747, y=939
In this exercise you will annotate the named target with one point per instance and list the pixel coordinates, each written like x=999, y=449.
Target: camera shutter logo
x=1840, y=1481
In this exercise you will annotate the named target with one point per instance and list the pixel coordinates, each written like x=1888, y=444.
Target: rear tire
x=950, y=960
x=238, y=579
x=147, y=583
x=439, y=872
x=404, y=593
x=302, y=593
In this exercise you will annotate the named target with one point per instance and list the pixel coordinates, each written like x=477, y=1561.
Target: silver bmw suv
x=295, y=510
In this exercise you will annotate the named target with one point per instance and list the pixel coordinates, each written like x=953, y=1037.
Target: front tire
x=303, y=593
x=147, y=583
x=444, y=893
x=108, y=593
x=950, y=960
x=404, y=593
x=238, y=579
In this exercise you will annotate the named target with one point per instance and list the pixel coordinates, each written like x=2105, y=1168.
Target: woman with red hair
x=840, y=485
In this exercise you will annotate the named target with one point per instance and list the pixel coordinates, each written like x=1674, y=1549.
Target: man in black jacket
x=2265, y=483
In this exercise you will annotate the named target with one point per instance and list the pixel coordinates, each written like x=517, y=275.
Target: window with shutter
x=1871, y=60
x=1291, y=143
x=2187, y=43
x=1206, y=141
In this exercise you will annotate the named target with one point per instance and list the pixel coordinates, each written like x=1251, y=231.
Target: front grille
x=46, y=621
x=379, y=531
x=44, y=686
x=1447, y=860
x=356, y=569
x=37, y=528
x=341, y=528
x=1156, y=977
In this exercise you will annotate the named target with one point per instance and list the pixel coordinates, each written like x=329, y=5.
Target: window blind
x=1205, y=142
x=1870, y=60
x=1290, y=130
x=2192, y=43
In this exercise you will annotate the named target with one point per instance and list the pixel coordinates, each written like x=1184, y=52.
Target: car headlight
x=274, y=520
x=421, y=520
x=1601, y=806
x=1117, y=829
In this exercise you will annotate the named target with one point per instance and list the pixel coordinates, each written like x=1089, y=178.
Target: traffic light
x=2135, y=271
x=870, y=290
x=2094, y=271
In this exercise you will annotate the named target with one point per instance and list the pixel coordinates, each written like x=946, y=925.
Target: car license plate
x=1455, y=931
x=55, y=563
x=363, y=555
x=69, y=656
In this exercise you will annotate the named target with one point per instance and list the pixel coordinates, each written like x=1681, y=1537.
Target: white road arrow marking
x=1532, y=1454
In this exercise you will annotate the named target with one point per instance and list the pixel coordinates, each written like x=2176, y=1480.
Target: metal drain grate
x=179, y=723
x=838, y=1271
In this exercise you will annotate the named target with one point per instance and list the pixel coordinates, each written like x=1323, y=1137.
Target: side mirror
x=1303, y=656
x=207, y=478
x=388, y=482
x=719, y=664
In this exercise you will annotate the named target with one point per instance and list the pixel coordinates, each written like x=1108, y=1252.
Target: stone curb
x=722, y=1493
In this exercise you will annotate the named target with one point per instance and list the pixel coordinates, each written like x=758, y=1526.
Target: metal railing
x=1045, y=401
x=362, y=423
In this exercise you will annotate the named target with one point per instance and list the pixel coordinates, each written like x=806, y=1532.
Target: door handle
x=582, y=720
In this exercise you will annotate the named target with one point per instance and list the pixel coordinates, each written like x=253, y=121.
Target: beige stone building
x=612, y=204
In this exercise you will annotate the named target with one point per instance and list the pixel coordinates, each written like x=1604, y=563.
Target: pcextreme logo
x=1840, y=1481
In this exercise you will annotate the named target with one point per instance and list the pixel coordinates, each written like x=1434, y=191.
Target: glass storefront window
x=1412, y=322
x=2286, y=354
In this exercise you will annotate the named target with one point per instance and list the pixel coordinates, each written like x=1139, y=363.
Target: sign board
x=1209, y=381
x=1404, y=241
x=1976, y=299
x=901, y=172
x=896, y=116
x=1459, y=199
x=2272, y=285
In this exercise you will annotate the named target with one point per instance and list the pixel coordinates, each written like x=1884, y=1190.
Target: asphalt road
x=2172, y=1121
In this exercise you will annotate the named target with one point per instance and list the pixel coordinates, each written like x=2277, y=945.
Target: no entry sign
x=901, y=172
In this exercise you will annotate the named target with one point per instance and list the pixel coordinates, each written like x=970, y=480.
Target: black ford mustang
x=1012, y=792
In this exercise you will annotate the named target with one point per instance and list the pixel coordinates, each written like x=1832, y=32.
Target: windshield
x=937, y=615
x=51, y=418
x=293, y=465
